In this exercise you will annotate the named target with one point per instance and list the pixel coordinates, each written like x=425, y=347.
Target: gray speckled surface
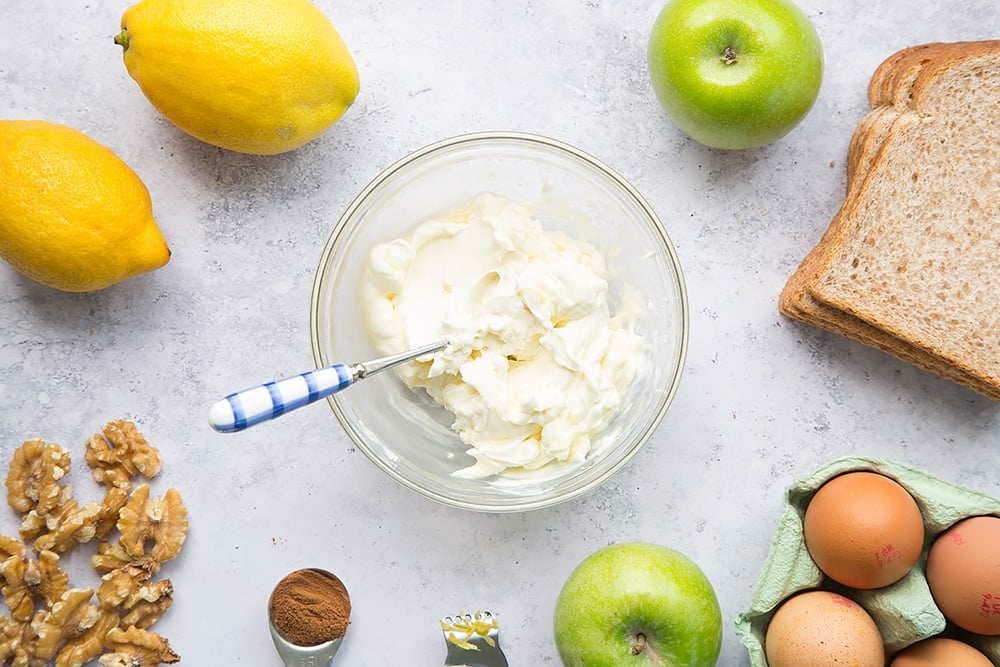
x=763, y=400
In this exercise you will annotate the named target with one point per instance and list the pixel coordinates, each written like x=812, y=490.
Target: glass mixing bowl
x=404, y=432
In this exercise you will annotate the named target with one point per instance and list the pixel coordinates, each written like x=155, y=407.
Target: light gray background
x=763, y=400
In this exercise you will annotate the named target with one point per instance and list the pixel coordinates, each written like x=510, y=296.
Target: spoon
x=247, y=407
x=294, y=655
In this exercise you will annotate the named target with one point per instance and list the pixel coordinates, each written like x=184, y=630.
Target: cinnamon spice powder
x=310, y=607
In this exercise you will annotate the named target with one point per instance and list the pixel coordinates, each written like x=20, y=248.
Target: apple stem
x=728, y=56
x=640, y=644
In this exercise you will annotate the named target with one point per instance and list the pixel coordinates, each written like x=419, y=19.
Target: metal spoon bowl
x=293, y=655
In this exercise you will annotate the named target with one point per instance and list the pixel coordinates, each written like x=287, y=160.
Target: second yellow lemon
x=73, y=215
x=253, y=76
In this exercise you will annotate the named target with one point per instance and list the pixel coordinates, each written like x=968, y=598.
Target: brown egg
x=863, y=530
x=940, y=651
x=822, y=628
x=963, y=572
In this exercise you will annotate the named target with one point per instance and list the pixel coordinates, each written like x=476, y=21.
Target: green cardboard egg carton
x=904, y=611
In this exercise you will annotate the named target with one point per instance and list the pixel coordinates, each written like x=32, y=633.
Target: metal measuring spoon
x=293, y=655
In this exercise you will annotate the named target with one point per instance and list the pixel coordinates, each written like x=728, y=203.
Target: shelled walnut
x=112, y=556
x=49, y=620
x=137, y=648
x=73, y=631
x=18, y=643
x=121, y=454
x=72, y=525
x=162, y=522
x=26, y=579
x=141, y=602
x=33, y=480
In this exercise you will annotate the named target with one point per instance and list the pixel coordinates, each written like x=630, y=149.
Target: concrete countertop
x=763, y=400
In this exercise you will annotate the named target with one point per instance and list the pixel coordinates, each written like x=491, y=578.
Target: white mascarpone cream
x=536, y=364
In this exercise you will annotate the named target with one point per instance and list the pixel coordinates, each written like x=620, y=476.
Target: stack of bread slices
x=910, y=263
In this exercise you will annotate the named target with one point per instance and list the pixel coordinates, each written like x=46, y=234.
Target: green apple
x=735, y=73
x=638, y=604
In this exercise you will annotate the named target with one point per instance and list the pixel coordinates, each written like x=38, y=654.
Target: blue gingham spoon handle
x=247, y=407
x=243, y=409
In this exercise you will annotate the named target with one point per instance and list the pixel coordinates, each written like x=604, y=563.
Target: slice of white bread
x=920, y=96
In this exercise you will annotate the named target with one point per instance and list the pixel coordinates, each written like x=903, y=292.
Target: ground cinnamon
x=310, y=607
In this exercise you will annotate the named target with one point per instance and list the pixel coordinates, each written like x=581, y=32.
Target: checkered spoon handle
x=247, y=407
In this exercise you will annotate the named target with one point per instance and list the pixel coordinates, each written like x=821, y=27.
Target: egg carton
x=904, y=611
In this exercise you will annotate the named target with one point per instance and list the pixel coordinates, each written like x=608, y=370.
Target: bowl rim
x=519, y=504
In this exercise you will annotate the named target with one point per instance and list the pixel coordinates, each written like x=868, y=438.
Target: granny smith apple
x=735, y=73
x=638, y=604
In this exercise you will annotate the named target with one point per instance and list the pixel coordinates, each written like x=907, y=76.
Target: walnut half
x=17, y=643
x=120, y=453
x=136, y=647
x=33, y=479
x=160, y=521
x=26, y=579
x=142, y=602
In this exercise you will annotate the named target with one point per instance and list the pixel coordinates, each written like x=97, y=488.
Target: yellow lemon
x=73, y=215
x=254, y=76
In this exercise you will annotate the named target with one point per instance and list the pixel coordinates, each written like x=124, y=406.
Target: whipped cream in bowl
x=561, y=298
